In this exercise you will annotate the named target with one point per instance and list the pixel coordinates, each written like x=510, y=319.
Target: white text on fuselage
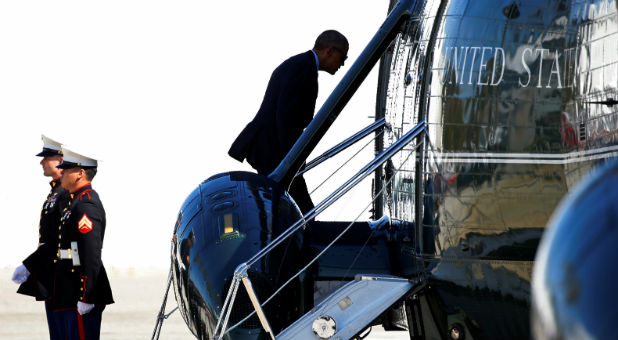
x=485, y=66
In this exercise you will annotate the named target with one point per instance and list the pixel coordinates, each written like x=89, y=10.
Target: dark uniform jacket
x=286, y=110
x=83, y=221
x=40, y=263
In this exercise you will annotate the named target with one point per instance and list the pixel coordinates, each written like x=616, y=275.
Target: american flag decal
x=85, y=224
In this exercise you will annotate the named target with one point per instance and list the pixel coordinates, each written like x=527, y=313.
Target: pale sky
x=157, y=91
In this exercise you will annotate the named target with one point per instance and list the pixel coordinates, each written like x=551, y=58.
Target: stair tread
x=352, y=307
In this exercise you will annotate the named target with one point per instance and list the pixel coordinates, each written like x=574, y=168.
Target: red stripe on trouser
x=80, y=326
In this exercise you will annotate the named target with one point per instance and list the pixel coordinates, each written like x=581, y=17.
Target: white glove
x=84, y=308
x=20, y=275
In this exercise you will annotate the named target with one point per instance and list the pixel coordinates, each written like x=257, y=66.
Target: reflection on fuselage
x=508, y=91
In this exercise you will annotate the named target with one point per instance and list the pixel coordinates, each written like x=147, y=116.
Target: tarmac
x=138, y=295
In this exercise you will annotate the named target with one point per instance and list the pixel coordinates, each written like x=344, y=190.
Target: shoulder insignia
x=85, y=224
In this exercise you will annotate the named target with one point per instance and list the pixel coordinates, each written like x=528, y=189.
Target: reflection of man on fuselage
x=287, y=109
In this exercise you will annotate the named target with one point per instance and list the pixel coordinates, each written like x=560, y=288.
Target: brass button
x=59, y=245
x=82, y=280
x=82, y=289
x=55, y=260
x=72, y=270
x=60, y=228
x=59, y=237
x=81, y=298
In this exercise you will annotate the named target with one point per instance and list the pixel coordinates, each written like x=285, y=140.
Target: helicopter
x=489, y=113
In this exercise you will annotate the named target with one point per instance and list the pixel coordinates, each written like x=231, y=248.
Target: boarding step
x=349, y=310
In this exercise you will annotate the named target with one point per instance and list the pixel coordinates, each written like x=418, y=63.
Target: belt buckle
x=64, y=254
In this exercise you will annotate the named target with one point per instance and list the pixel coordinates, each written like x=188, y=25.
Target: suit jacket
x=286, y=110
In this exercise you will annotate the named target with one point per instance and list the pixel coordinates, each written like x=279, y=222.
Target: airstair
x=350, y=309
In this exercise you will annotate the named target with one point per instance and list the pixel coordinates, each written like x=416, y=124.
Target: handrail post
x=256, y=305
x=226, y=309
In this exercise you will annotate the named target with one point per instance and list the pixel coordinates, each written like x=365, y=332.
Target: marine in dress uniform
x=287, y=109
x=81, y=287
x=35, y=274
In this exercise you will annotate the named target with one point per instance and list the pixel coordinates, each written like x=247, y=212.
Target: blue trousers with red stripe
x=69, y=325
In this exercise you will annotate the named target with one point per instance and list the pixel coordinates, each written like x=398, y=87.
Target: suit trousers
x=298, y=189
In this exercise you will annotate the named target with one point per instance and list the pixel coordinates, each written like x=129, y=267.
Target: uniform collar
x=81, y=191
x=55, y=182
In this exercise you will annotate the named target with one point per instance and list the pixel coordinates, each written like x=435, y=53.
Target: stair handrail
x=332, y=152
x=343, y=189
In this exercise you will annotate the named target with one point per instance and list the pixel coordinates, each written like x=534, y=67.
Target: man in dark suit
x=287, y=109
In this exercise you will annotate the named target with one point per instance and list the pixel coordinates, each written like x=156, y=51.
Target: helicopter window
x=228, y=227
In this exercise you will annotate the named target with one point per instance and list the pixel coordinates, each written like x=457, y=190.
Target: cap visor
x=65, y=165
x=47, y=154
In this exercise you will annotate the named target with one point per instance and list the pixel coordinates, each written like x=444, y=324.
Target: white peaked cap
x=73, y=159
x=50, y=147
x=50, y=143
